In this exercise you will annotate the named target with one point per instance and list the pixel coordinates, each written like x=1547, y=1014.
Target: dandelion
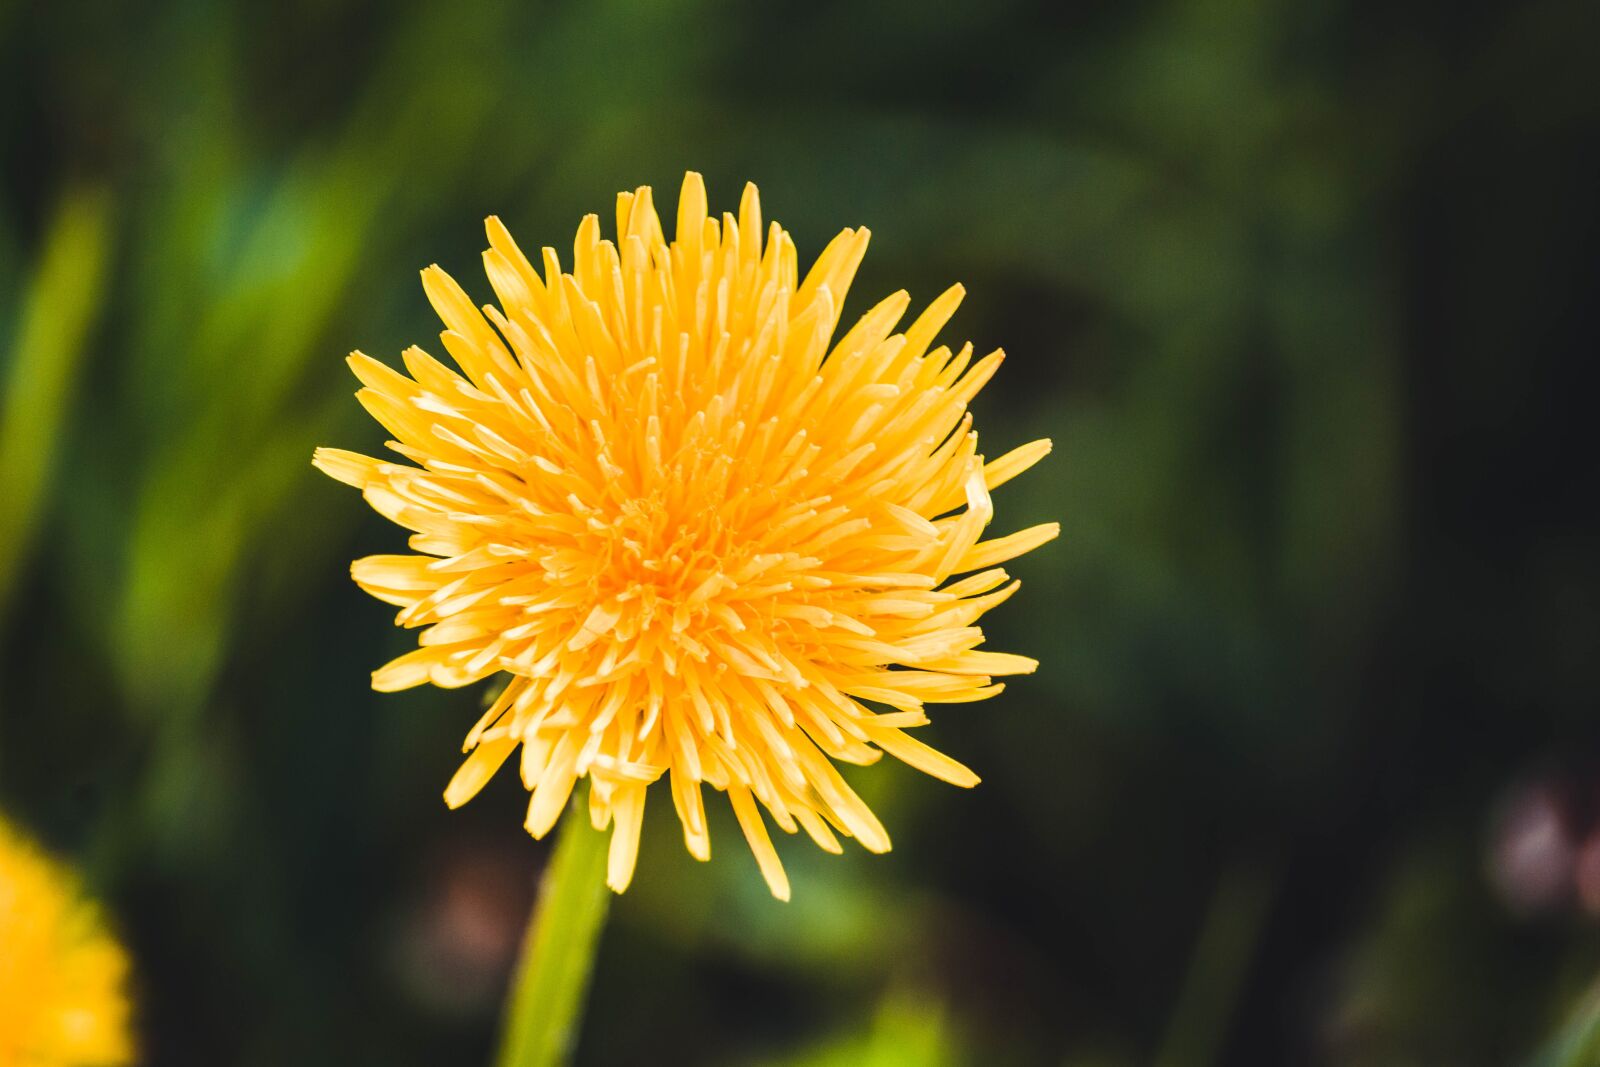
x=702, y=538
x=62, y=1002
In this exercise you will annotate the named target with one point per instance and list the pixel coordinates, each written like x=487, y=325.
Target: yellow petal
x=755, y=832
x=909, y=750
x=1000, y=549
x=476, y=770
x=628, y=813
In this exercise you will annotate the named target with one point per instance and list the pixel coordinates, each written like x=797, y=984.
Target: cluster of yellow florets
x=62, y=1001
x=701, y=537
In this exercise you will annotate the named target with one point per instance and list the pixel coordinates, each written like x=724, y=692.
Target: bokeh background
x=1304, y=293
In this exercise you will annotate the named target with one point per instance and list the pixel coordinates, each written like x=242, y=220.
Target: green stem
x=540, y=1027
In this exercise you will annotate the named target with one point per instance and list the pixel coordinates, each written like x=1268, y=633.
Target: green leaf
x=59, y=309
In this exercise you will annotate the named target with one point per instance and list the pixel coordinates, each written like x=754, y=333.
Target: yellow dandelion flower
x=701, y=537
x=62, y=975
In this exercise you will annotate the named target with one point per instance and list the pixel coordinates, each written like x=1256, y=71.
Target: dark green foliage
x=1301, y=291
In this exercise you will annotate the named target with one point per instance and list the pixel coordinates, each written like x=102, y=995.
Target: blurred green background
x=1302, y=291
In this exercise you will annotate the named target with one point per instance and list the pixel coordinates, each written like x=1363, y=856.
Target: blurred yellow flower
x=62, y=976
x=701, y=541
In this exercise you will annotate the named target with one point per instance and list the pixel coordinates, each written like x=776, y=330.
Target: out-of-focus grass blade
x=226, y=431
x=57, y=314
x=910, y=1028
x=1578, y=1043
x=1227, y=942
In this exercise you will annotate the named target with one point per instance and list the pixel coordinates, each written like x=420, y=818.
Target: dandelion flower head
x=62, y=976
x=702, y=538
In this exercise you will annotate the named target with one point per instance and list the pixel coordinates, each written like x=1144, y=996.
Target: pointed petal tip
x=330, y=461
x=385, y=685
x=475, y=771
x=405, y=672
